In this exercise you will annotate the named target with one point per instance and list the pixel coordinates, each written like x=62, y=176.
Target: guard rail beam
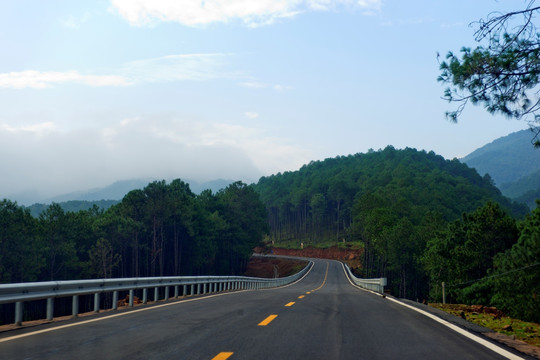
x=376, y=284
x=189, y=285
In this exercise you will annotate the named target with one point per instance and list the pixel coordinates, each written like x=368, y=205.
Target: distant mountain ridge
x=110, y=195
x=117, y=190
x=513, y=163
x=506, y=159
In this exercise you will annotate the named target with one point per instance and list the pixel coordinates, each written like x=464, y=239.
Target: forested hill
x=322, y=199
x=391, y=201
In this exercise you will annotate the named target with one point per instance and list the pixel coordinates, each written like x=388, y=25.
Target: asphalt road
x=319, y=317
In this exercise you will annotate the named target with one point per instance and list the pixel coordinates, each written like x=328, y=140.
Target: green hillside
x=391, y=201
x=506, y=159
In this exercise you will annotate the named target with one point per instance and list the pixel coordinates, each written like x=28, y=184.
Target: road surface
x=320, y=317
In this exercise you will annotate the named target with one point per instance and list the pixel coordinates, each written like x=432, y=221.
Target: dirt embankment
x=352, y=257
x=273, y=267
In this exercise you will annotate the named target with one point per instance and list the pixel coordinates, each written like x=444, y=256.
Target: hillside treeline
x=488, y=258
x=161, y=230
x=394, y=202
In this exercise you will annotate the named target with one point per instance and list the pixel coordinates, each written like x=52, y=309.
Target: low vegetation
x=528, y=332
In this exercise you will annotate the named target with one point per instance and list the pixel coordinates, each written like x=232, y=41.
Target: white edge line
x=139, y=310
x=457, y=329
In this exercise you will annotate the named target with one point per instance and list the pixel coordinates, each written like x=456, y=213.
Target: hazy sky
x=97, y=91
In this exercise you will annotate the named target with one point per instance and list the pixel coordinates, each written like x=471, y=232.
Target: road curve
x=320, y=317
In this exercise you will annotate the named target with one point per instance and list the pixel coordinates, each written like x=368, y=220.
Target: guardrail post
x=96, y=302
x=192, y=289
x=18, y=313
x=115, y=300
x=198, y=289
x=204, y=288
x=176, y=291
x=145, y=296
x=75, y=306
x=131, y=294
x=156, y=294
x=50, y=308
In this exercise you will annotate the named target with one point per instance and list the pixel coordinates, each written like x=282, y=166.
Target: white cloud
x=250, y=12
x=261, y=85
x=75, y=22
x=198, y=67
x=176, y=68
x=154, y=146
x=40, y=80
x=251, y=115
x=38, y=129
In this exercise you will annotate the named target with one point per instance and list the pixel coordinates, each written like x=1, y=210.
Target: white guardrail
x=377, y=284
x=188, y=285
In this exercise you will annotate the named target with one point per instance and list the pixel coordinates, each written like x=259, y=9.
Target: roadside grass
x=525, y=331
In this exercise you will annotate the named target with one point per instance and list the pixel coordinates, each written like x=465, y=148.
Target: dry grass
x=526, y=331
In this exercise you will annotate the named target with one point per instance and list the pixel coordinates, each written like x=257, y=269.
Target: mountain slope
x=307, y=203
x=391, y=202
x=506, y=159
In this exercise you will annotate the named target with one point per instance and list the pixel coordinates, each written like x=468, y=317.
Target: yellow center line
x=222, y=356
x=268, y=320
x=324, y=281
x=290, y=304
x=301, y=296
x=309, y=292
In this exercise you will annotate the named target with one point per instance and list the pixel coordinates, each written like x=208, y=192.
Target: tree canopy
x=161, y=230
x=391, y=201
x=502, y=74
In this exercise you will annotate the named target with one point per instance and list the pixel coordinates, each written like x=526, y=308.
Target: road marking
x=301, y=296
x=457, y=329
x=325, y=277
x=116, y=315
x=290, y=304
x=222, y=356
x=465, y=333
x=268, y=320
x=309, y=292
x=144, y=309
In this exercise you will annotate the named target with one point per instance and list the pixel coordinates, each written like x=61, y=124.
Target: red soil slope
x=350, y=256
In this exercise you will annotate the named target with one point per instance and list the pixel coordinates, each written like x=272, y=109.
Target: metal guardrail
x=377, y=284
x=188, y=285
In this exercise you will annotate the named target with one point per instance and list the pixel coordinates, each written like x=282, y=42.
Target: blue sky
x=97, y=91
